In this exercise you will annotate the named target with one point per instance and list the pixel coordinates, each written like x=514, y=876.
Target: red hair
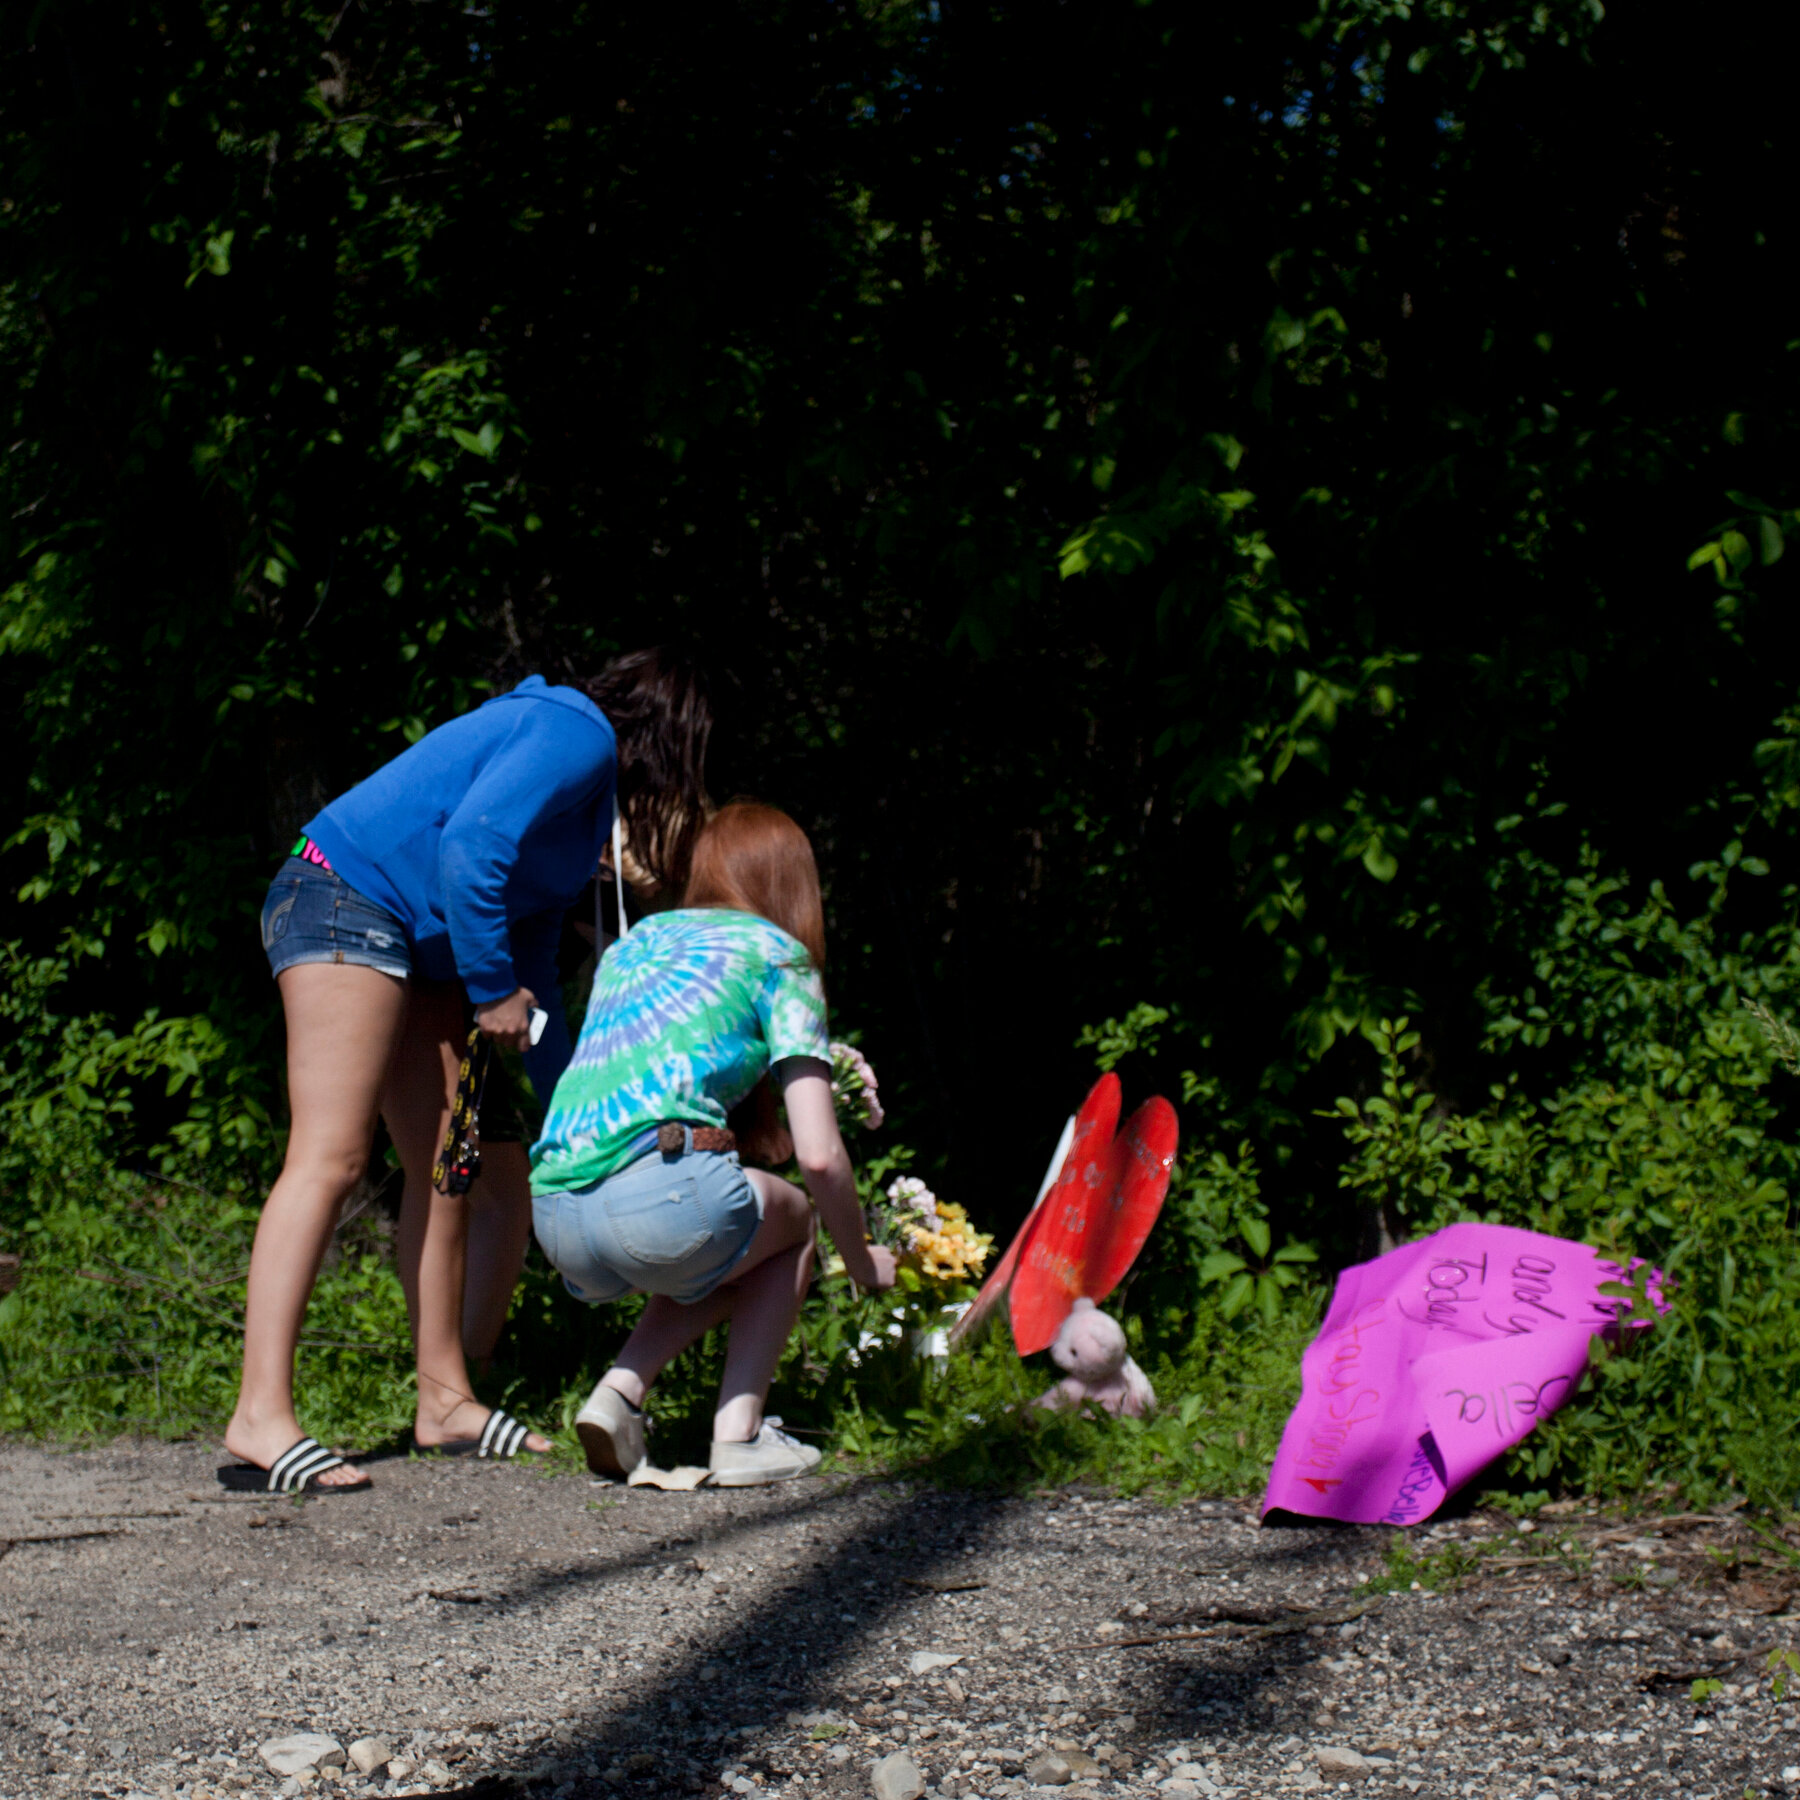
x=753, y=858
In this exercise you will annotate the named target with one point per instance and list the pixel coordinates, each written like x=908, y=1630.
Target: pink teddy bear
x=1090, y=1349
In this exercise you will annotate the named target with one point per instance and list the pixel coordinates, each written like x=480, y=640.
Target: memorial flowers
x=854, y=1087
x=934, y=1236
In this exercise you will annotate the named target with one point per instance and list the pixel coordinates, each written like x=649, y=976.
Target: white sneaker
x=611, y=1433
x=769, y=1456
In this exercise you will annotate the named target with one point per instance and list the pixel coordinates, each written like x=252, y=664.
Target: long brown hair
x=755, y=859
x=657, y=704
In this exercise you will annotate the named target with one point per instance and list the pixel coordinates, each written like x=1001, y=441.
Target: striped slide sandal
x=502, y=1438
x=295, y=1471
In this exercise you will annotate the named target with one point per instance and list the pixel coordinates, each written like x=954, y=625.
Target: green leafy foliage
x=128, y=1316
x=1139, y=583
x=1285, y=596
x=129, y=1310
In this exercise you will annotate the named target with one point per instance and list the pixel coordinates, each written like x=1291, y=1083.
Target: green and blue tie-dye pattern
x=686, y=1016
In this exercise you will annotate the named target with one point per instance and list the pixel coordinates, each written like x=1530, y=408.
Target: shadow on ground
x=794, y=1651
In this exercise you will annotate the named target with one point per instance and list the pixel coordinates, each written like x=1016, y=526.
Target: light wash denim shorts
x=665, y=1224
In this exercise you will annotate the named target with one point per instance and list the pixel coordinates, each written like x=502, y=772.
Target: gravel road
x=503, y=1629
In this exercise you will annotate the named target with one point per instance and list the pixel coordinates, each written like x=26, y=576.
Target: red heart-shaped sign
x=1087, y=1232
x=1093, y=1124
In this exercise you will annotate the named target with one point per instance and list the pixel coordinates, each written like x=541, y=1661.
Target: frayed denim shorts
x=677, y=1225
x=315, y=916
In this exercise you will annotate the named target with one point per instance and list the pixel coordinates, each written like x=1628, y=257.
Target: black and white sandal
x=502, y=1438
x=295, y=1471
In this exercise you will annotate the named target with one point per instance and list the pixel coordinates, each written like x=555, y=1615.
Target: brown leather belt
x=671, y=1138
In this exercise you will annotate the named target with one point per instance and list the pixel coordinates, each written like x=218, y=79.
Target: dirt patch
x=503, y=1627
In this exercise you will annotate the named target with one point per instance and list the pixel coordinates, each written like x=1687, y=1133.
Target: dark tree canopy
x=1186, y=506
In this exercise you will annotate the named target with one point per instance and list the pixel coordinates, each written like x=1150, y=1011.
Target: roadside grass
x=128, y=1318
x=1661, y=1139
x=1438, y=1564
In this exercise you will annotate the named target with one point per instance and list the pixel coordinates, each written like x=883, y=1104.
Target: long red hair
x=755, y=859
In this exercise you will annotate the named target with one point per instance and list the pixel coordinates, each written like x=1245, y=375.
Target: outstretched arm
x=825, y=1167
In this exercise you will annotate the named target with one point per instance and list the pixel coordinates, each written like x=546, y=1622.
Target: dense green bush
x=128, y=1315
x=1635, y=1104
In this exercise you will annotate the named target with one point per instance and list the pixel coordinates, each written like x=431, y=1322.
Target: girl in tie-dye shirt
x=689, y=1014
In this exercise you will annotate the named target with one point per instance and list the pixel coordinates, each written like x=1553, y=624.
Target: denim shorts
x=666, y=1224
x=314, y=916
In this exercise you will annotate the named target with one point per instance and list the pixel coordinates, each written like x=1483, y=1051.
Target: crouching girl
x=636, y=1181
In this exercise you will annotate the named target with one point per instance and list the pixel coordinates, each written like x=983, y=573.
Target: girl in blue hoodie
x=437, y=885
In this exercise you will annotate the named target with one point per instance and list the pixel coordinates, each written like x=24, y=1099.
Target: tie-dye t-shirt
x=688, y=1012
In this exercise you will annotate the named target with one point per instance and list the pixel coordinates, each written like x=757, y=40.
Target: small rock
x=1051, y=1769
x=922, y=1662
x=1189, y=1771
x=955, y=1691
x=838, y=1755
x=1058, y=1696
x=1339, y=1764
x=897, y=1777
x=369, y=1754
x=640, y=1762
x=436, y=1773
x=1082, y=1767
x=742, y=1784
x=401, y=1768
x=304, y=1750
x=1178, y=1788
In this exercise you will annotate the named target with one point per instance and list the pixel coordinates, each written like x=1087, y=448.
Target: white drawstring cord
x=618, y=847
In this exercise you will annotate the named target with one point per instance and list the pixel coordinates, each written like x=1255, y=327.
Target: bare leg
x=343, y=1023
x=499, y=1231
x=434, y=1227
x=768, y=1303
x=762, y=1301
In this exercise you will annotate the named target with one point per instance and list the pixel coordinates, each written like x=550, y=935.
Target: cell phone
x=539, y=1019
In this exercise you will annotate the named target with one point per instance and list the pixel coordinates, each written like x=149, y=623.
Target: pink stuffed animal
x=1090, y=1349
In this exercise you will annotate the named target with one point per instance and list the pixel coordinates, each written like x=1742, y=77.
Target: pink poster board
x=1432, y=1360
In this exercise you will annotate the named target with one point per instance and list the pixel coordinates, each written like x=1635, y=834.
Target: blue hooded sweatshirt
x=480, y=838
